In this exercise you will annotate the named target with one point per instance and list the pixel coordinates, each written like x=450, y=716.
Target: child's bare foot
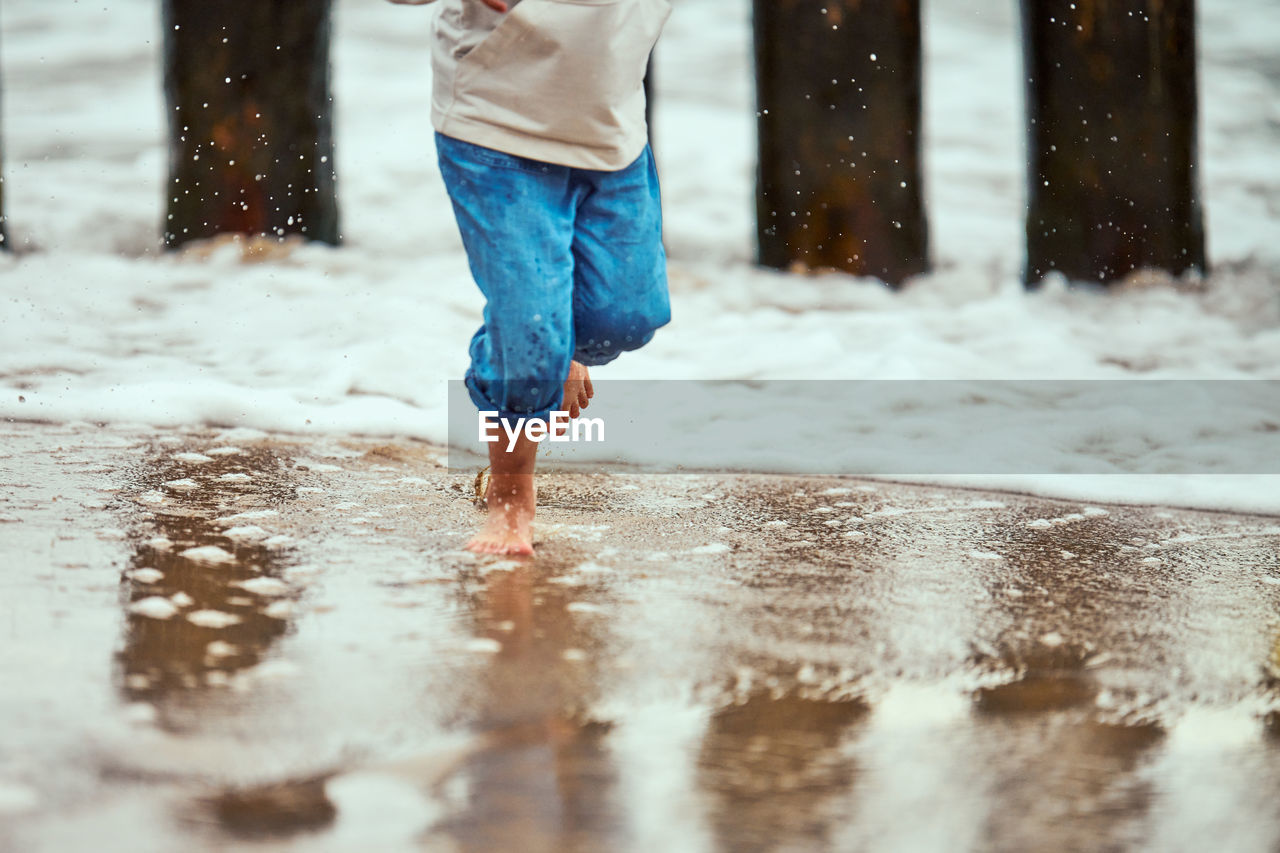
x=509, y=528
x=511, y=496
x=577, y=389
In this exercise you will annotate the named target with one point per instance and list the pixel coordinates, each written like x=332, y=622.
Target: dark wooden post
x=649, y=96
x=4, y=220
x=1111, y=133
x=838, y=97
x=250, y=119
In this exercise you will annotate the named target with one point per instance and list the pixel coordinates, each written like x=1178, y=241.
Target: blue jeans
x=570, y=262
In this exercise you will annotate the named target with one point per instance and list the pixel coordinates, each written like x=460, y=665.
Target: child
x=539, y=111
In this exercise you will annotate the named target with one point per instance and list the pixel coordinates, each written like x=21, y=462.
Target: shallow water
x=219, y=640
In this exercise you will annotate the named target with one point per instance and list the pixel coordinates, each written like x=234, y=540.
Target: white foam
x=583, y=607
x=209, y=555
x=220, y=649
x=249, y=515
x=280, y=610
x=154, y=607
x=16, y=799
x=213, y=619
x=378, y=812
x=711, y=548
x=192, y=458
x=264, y=586
x=246, y=533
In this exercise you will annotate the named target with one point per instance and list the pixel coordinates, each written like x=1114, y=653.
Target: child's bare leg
x=512, y=497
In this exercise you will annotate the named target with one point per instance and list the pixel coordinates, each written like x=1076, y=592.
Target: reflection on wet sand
x=807, y=667
x=204, y=601
x=1069, y=785
x=1065, y=732
x=1050, y=679
x=773, y=771
x=545, y=779
x=202, y=594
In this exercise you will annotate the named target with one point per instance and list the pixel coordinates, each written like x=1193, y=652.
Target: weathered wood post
x=250, y=119
x=1112, y=180
x=839, y=104
x=649, y=96
x=4, y=220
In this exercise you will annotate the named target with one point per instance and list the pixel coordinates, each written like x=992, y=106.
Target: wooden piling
x=1112, y=179
x=839, y=183
x=250, y=119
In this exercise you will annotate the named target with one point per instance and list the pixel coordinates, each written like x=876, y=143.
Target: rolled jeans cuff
x=511, y=420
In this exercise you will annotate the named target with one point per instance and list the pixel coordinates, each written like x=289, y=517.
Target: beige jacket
x=554, y=80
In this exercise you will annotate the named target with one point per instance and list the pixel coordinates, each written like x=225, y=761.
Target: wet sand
x=217, y=640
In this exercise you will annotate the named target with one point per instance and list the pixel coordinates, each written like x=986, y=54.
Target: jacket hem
x=559, y=152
